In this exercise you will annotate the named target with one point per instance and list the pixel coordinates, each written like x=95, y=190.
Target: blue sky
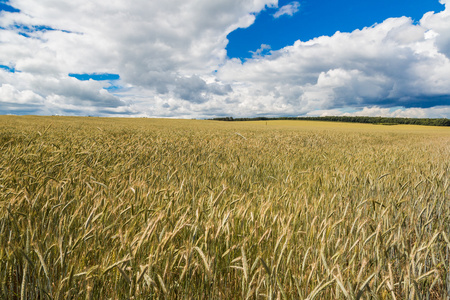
x=4, y=6
x=316, y=18
x=240, y=58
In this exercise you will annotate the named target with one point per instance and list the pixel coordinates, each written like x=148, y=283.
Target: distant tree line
x=368, y=120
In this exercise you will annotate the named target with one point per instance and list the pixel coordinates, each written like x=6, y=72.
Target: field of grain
x=94, y=208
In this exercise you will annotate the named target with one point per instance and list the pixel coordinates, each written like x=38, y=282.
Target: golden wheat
x=145, y=208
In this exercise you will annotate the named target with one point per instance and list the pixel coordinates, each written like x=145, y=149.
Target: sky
x=239, y=58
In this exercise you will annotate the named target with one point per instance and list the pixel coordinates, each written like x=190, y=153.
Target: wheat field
x=105, y=208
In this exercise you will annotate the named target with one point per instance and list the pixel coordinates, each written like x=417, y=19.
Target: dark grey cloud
x=196, y=90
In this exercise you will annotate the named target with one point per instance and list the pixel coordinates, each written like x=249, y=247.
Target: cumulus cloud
x=261, y=51
x=161, y=49
x=289, y=9
x=172, y=62
x=393, y=64
x=8, y=94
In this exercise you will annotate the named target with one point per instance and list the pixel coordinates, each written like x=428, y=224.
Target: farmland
x=100, y=208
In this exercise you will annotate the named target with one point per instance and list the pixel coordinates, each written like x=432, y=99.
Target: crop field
x=105, y=208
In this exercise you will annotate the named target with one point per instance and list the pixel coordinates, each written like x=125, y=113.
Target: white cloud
x=289, y=9
x=261, y=51
x=8, y=94
x=439, y=24
x=162, y=49
x=392, y=64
